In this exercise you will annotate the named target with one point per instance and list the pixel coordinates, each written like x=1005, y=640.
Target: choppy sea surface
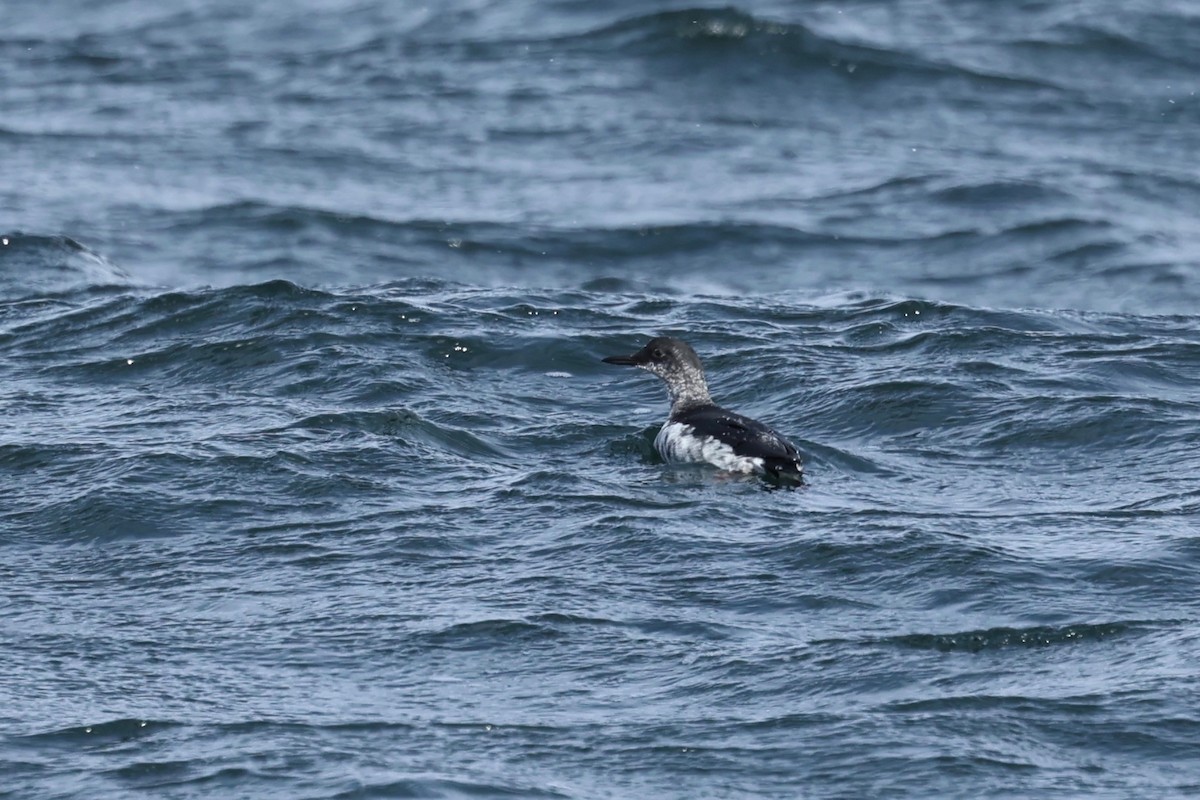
x=313, y=485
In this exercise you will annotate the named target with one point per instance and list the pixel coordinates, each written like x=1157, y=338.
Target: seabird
x=698, y=430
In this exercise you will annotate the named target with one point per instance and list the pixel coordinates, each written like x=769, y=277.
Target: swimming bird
x=698, y=430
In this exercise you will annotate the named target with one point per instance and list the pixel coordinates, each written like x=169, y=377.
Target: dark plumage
x=700, y=430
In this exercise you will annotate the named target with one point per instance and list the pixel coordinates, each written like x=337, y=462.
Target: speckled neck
x=686, y=386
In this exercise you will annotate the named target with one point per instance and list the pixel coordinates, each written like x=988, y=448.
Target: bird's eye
x=657, y=354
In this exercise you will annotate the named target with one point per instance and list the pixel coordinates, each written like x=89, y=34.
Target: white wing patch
x=677, y=443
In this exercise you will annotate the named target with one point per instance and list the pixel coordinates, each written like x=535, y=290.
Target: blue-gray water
x=312, y=484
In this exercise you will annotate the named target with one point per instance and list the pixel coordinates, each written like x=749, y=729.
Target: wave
x=412, y=240
x=1037, y=636
x=107, y=732
x=707, y=38
x=401, y=426
x=33, y=265
x=1161, y=38
x=984, y=235
x=706, y=41
x=481, y=383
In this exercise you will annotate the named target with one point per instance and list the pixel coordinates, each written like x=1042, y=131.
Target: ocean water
x=313, y=484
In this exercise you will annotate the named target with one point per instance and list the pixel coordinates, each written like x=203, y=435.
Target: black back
x=747, y=437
